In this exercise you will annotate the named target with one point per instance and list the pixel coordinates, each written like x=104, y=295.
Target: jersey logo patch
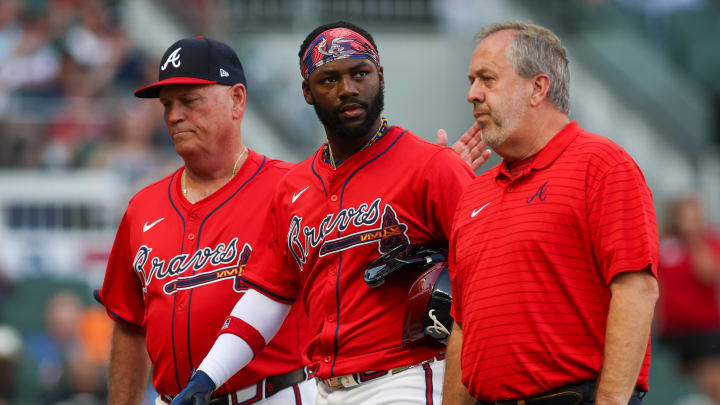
x=388, y=234
x=540, y=194
x=477, y=211
x=224, y=260
x=297, y=195
x=146, y=226
x=173, y=58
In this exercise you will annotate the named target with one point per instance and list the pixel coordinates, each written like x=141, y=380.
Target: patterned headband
x=333, y=44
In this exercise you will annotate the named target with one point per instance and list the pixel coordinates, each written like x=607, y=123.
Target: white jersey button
x=333, y=198
x=191, y=236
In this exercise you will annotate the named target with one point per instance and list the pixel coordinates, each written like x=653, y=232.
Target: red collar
x=549, y=153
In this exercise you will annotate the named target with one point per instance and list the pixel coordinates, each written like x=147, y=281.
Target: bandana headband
x=334, y=44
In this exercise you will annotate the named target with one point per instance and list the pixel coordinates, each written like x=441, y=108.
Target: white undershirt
x=230, y=353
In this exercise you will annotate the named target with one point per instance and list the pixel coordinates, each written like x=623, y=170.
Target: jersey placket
x=333, y=265
x=181, y=316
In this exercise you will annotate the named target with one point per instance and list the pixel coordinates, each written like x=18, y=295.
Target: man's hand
x=197, y=392
x=470, y=146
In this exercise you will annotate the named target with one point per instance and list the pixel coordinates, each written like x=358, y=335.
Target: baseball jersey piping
x=337, y=279
x=172, y=319
x=96, y=295
x=312, y=167
x=276, y=297
x=197, y=246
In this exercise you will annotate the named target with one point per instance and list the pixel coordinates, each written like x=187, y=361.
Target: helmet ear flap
x=427, y=315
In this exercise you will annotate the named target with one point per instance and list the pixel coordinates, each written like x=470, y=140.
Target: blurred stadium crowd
x=67, y=71
x=65, y=78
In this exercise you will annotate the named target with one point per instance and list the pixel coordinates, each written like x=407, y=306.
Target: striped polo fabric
x=531, y=259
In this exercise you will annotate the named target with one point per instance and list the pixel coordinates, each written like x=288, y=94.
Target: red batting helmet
x=427, y=314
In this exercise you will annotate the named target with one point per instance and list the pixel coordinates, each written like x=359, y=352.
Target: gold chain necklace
x=372, y=139
x=234, y=171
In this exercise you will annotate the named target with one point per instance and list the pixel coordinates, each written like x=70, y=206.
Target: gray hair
x=534, y=50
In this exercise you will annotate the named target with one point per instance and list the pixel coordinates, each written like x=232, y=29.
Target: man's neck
x=533, y=136
x=342, y=147
x=203, y=176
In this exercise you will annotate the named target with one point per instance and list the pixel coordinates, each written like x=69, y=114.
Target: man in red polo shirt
x=553, y=253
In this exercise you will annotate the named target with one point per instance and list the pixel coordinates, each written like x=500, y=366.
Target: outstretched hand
x=197, y=392
x=470, y=146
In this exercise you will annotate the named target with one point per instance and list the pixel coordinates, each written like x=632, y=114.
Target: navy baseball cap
x=196, y=61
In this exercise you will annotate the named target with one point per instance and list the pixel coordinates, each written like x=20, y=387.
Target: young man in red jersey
x=372, y=187
x=553, y=255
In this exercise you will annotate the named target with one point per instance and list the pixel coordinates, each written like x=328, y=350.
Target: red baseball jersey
x=531, y=259
x=174, y=267
x=325, y=226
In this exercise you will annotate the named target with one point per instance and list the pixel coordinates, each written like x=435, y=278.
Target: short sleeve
x=122, y=292
x=268, y=270
x=446, y=176
x=455, y=282
x=622, y=221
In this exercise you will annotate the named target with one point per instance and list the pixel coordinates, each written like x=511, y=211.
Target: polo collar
x=550, y=152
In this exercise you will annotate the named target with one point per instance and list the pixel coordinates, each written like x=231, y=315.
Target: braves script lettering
x=389, y=233
x=149, y=268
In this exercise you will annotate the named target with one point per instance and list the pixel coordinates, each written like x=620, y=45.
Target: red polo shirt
x=531, y=258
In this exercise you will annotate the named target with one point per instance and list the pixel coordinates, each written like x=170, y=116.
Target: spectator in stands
x=689, y=309
x=33, y=64
x=71, y=364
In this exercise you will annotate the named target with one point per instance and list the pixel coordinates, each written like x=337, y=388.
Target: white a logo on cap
x=223, y=73
x=173, y=58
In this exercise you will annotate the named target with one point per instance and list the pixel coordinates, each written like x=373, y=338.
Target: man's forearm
x=634, y=294
x=454, y=392
x=129, y=366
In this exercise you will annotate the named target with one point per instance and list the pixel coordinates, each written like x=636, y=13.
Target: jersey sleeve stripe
x=267, y=293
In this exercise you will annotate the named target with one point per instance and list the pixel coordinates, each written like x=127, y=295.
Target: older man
x=173, y=272
x=553, y=254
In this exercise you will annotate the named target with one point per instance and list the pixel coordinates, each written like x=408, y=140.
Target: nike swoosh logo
x=477, y=211
x=147, y=226
x=297, y=195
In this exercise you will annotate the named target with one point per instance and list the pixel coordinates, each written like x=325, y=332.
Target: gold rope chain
x=234, y=171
